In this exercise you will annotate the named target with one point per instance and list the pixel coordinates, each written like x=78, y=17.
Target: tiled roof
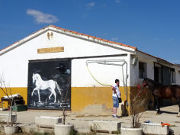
x=158, y=59
x=108, y=41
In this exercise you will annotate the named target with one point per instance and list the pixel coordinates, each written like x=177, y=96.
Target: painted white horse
x=40, y=84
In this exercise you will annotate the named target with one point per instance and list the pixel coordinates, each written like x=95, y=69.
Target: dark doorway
x=158, y=73
x=164, y=75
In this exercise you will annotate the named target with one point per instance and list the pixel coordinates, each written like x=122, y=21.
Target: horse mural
x=50, y=85
x=162, y=92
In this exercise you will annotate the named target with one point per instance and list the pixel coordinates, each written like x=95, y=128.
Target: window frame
x=142, y=71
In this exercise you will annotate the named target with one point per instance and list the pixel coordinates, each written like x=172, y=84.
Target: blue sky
x=152, y=26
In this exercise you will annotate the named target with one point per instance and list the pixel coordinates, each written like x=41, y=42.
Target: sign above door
x=50, y=50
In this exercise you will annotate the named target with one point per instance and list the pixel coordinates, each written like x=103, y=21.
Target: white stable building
x=83, y=67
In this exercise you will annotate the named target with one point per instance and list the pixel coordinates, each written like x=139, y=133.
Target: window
x=173, y=76
x=142, y=70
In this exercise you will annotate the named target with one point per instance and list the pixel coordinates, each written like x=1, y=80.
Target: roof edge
x=158, y=59
x=14, y=45
x=34, y=34
x=101, y=39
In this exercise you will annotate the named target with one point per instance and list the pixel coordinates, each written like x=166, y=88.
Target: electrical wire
x=109, y=62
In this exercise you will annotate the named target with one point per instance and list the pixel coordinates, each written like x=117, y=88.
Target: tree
x=7, y=92
x=64, y=107
x=138, y=100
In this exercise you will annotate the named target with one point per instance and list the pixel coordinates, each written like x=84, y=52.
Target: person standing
x=115, y=95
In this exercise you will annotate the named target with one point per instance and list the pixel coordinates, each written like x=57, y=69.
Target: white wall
x=14, y=64
x=99, y=74
x=135, y=69
x=177, y=70
x=150, y=69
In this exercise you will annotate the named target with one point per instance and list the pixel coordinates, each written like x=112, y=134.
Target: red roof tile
x=108, y=41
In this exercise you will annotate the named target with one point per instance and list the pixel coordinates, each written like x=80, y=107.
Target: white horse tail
x=58, y=88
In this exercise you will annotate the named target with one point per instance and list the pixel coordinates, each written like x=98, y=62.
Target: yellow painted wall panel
x=84, y=96
x=15, y=90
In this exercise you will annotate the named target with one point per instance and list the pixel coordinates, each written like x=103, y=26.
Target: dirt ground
x=81, y=121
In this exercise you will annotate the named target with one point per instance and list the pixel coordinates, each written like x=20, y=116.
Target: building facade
x=55, y=67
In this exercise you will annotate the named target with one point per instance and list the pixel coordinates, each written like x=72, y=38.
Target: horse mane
x=175, y=85
x=38, y=75
x=161, y=85
x=148, y=79
x=153, y=81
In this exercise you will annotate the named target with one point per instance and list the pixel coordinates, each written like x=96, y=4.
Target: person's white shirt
x=117, y=91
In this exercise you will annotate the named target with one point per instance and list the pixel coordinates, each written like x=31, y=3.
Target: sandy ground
x=81, y=121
